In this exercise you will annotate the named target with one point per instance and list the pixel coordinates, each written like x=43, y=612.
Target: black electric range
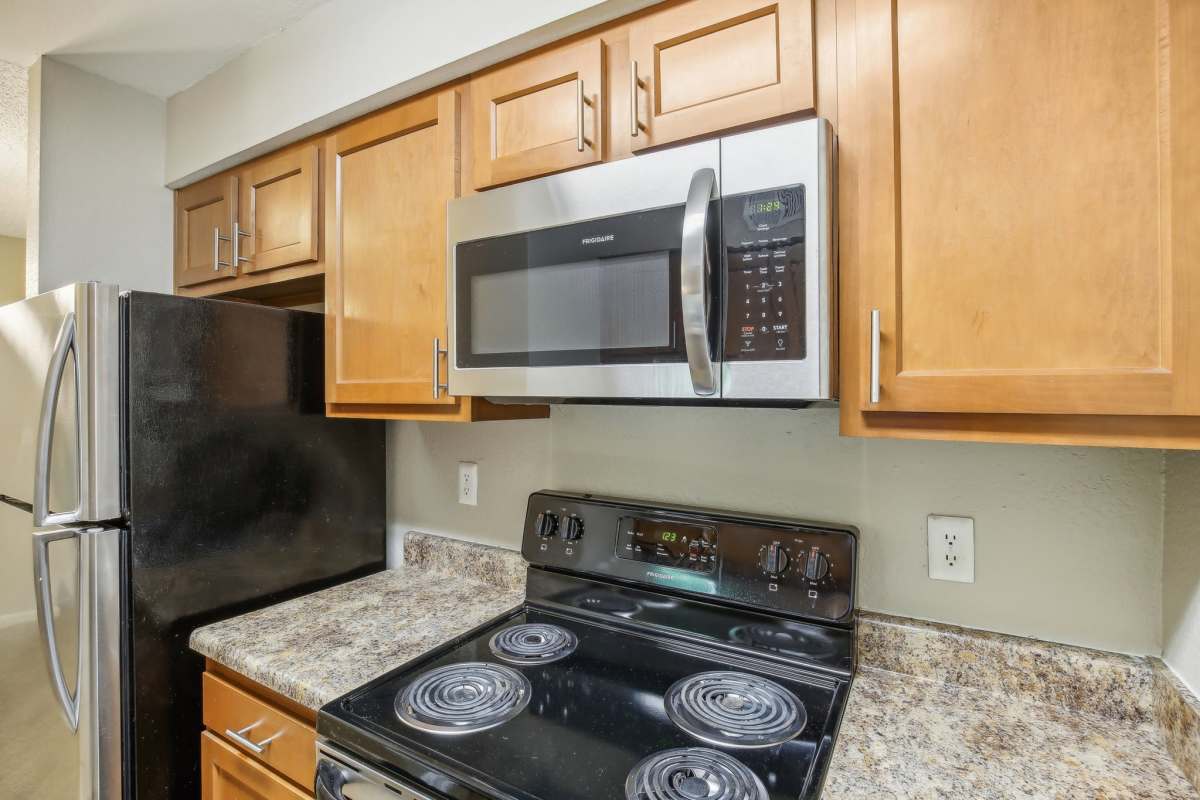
x=662, y=653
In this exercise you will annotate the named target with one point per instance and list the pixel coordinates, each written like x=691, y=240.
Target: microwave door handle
x=693, y=281
x=63, y=347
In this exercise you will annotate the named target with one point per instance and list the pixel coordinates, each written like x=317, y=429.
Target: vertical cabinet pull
x=875, y=335
x=438, y=352
x=633, y=98
x=581, y=100
x=217, y=239
x=235, y=243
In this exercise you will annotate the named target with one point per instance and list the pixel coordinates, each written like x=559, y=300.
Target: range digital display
x=669, y=543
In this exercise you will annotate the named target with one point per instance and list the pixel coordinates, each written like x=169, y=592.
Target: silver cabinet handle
x=217, y=239
x=68, y=703
x=258, y=748
x=875, y=335
x=578, y=122
x=63, y=347
x=633, y=98
x=236, y=242
x=438, y=351
x=693, y=280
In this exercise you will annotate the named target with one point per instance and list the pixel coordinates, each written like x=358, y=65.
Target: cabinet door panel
x=226, y=774
x=394, y=173
x=709, y=65
x=279, y=209
x=526, y=116
x=204, y=212
x=1020, y=216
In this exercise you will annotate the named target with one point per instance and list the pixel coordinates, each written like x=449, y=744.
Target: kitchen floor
x=31, y=750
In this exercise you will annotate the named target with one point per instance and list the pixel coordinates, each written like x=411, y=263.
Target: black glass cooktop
x=574, y=728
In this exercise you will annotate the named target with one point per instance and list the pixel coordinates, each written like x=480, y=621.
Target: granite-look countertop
x=318, y=647
x=909, y=737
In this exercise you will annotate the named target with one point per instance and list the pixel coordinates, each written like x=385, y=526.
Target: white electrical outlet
x=468, y=483
x=951, y=548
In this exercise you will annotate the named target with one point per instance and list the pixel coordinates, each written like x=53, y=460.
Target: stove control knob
x=774, y=559
x=546, y=524
x=817, y=566
x=571, y=529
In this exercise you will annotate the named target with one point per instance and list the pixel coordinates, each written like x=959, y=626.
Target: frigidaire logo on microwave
x=608, y=237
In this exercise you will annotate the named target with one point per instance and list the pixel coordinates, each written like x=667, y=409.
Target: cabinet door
x=709, y=65
x=204, y=214
x=540, y=115
x=1025, y=202
x=278, y=211
x=393, y=174
x=226, y=774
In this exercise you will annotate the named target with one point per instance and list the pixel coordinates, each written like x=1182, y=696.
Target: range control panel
x=801, y=568
x=764, y=258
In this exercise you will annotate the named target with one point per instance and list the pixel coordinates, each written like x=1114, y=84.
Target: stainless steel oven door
x=597, y=283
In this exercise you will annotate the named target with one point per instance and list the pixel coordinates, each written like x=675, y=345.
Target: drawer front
x=260, y=730
x=226, y=774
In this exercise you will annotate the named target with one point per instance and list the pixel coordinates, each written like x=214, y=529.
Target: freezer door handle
x=45, y=617
x=63, y=347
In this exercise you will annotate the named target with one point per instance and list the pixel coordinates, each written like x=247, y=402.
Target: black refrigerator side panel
x=240, y=494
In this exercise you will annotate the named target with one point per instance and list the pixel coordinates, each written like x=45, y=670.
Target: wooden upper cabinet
x=394, y=172
x=708, y=65
x=1021, y=190
x=542, y=114
x=278, y=210
x=204, y=214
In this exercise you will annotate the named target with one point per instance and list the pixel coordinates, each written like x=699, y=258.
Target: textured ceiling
x=158, y=46
x=13, y=135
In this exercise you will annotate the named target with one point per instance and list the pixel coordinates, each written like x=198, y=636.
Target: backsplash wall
x=1068, y=540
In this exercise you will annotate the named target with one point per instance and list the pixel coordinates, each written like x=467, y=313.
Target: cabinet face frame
x=671, y=109
x=871, y=244
x=300, y=169
x=568, y=82
x=214, y=199
x=421, y=291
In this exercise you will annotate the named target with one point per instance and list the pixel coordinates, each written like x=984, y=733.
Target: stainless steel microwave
x=703, y=272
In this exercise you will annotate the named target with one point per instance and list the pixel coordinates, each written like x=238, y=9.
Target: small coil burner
x=463, y=698
x=533, y=644
x=693, y=773
x=734, y=709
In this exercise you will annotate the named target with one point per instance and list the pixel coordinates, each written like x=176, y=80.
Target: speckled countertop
x=904, y=735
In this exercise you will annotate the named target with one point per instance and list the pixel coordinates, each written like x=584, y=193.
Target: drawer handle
x=258, y=748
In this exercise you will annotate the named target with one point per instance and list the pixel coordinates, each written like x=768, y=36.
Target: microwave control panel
x=764, y=258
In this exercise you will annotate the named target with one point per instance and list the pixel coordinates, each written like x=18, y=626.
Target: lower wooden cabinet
x=227, y=774
x=257, y=744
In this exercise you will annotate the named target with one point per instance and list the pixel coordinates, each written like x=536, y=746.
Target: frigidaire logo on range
x=608, y=237
x=664, y=576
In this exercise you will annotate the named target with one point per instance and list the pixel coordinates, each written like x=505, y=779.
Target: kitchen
x=1005, y=366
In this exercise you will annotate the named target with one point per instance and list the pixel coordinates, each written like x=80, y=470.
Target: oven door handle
x=694, y=273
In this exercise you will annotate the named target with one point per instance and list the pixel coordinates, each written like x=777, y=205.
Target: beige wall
x=12, y=269
x=1181, y=567
x=1068, y=540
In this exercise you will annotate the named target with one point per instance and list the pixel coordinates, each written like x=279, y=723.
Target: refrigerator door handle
x=45, y=616
x=63, y=347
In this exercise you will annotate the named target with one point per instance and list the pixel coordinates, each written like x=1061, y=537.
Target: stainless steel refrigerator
x=166, y=463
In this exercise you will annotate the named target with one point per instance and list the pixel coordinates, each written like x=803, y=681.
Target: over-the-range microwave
x=702, y=272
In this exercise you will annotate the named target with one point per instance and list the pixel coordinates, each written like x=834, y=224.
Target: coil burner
x=735, y=709
x=533, y=644
x=693, y=773
x=463, y=698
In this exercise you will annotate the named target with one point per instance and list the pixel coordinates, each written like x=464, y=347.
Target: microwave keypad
x=764, y=259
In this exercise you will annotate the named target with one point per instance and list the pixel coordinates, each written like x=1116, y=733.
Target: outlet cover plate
x=468, y=483
x=951, y=548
